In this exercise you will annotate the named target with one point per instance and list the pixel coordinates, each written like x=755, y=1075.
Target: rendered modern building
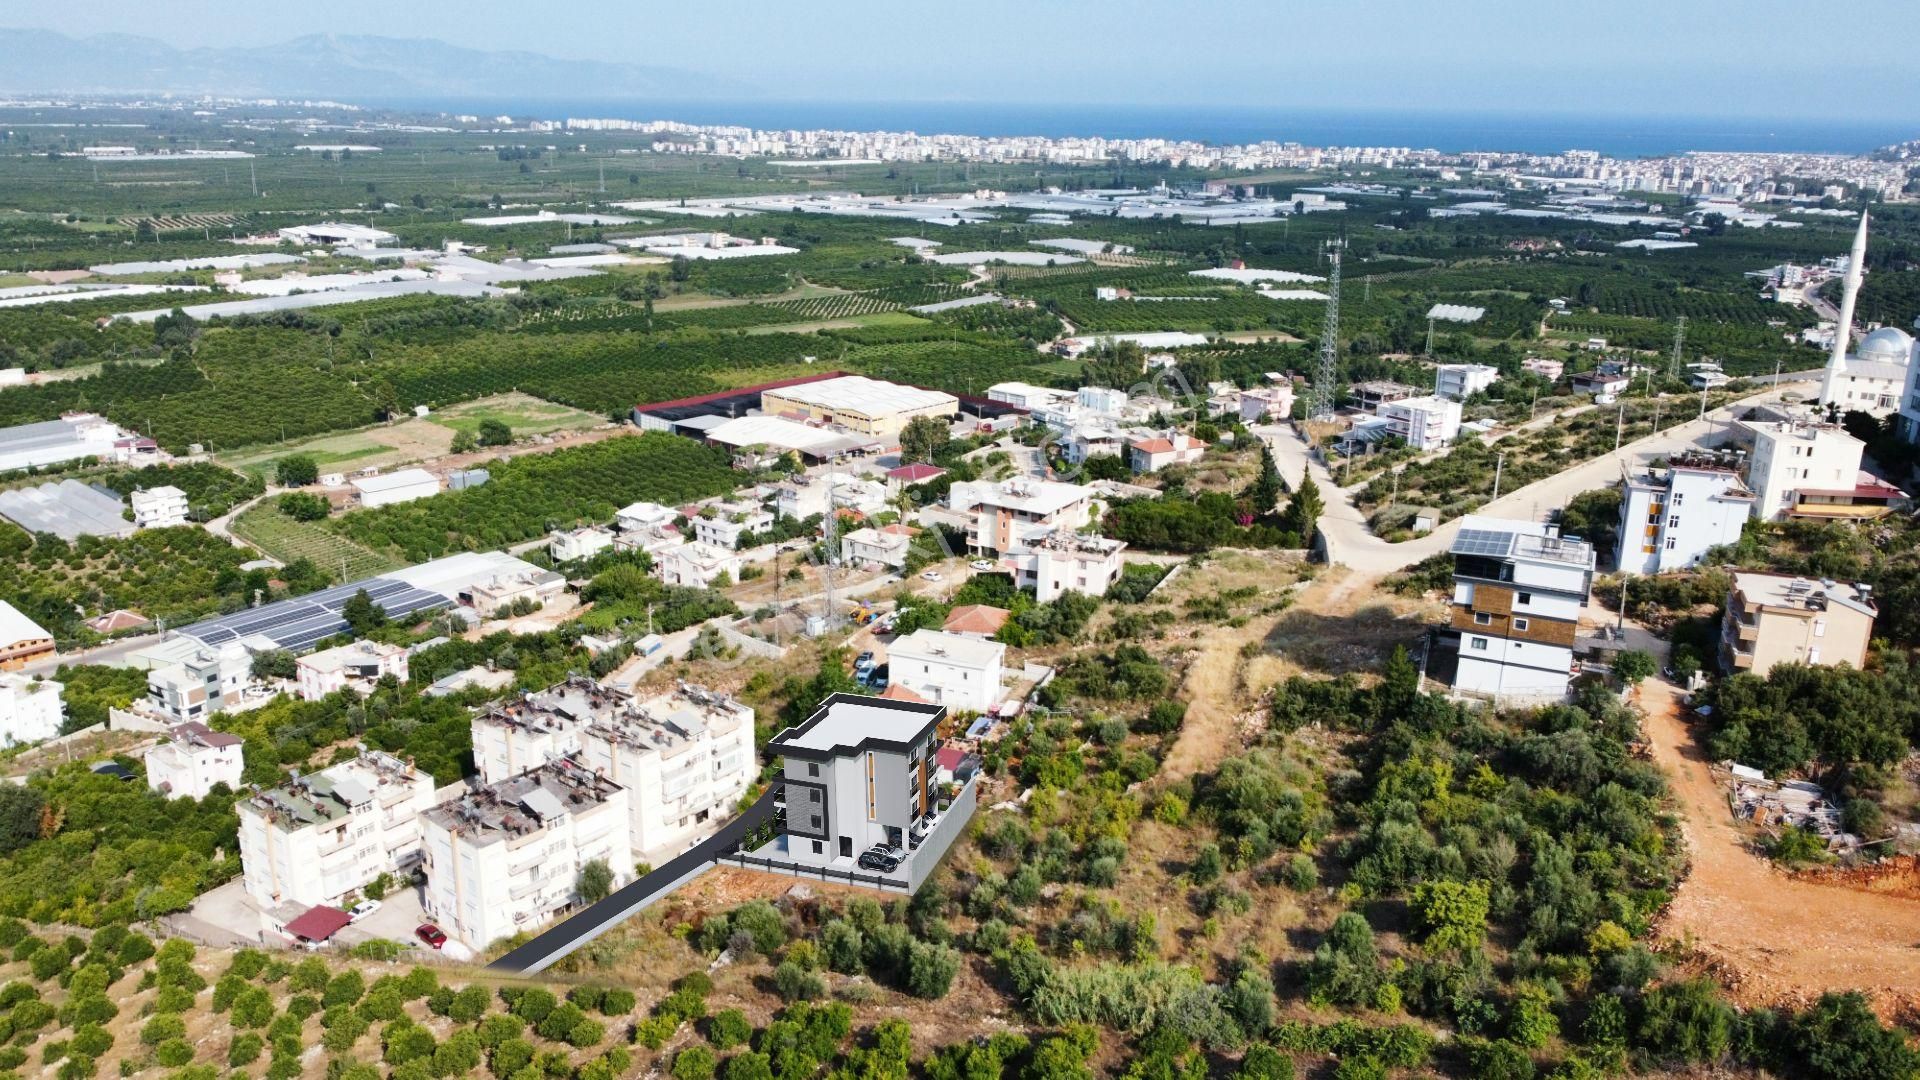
x=1461, y=381
x=1790, y=455
x=1156, y=452
x=191, y=759
x=204, y=683
x=159, y=508
x=1005, y=513
x=357, y=666
x=319, y=838
x=858, y=773
x=886, y=547
x=1054, y=561
x=724, y=524
x=582, y=543
x=30, y=709
x=21, y=639
x=1518, y=588
x=696, y=565
x=508, y=857
x=1424, y=423
x=1671, y=517
x=948, y=669
x=1777, y=619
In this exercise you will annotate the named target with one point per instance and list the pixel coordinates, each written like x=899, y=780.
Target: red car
x=430, y=934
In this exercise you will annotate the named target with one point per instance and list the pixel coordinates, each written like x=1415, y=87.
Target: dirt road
x=1775, y=939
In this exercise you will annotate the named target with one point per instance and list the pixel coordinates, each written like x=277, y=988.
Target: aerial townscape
x=663, y=574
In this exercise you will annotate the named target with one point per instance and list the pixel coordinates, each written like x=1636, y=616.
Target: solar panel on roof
x=300, y=622
x=1482, y=542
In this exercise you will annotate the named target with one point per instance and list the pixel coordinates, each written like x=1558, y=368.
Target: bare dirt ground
x=1771, y=937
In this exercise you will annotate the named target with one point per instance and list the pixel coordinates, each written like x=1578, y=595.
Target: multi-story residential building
x=191, y=759
x=496, y=596
x=684, y=757
x=1054, y=561
x=1550, y=370
x=1156, y=452
x=1028, y=396
x=1776, y=619
x=957, y=671
x=204, y=683
x=357, y=666
x=1461, y=381
x=643, y=515
x=30, y=709
x=318, y=838
x=1004, y=513
x=1671, y=517
x=724, y=524
x=159, y=508
x=508, y=857
x=696, y=565
x=1518, y=588
x=582, y=543
x=22, y=640
x=1789, y=455
x=1424, y=423
x=858, y=773
x=886, y=546
x=1909, y=421
x=1270, y=403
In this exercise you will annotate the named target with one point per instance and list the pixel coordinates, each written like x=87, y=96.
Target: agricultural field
x=523, y=413
x=284, y=540
x=377, y=447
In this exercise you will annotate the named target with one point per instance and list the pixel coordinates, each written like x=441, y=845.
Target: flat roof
x=1501, y=538
x=783, y=434
x=1034, y=496
x=1807, y=594
x=845, y=724
x=391, y=481
x=925, y=644
x=858, y=393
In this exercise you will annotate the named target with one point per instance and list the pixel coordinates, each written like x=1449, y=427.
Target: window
x=1523, y=598
x=1481, y=618
x=1478, y=643
x=1673, y=522
x=813, y=794
x=813, y=768
x=1672, y=543
x=1520, y=624
x=1678, y=496
x=819, y=848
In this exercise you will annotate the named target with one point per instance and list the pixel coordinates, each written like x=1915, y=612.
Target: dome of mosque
x=1889, y=344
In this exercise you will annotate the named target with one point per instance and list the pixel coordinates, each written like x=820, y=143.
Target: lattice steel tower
x=1329, y=373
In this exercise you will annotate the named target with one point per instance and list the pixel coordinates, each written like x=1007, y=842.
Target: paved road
x=1350, y=542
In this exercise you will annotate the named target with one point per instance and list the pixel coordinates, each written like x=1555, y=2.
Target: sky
x=1644, y=57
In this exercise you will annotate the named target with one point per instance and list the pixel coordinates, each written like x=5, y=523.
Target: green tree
x=296, y=470
x=304, y=506
x=1839, y=1038
x=1633, y=665
x=464, y=442
x=1267, y=487
x=1302, y=516
x=1451, y=915
x=495, y=433
x=922, y=438
x=595, y=881
x=362, y=614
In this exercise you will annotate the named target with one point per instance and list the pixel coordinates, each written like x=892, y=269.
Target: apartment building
x=30, y=709
x=696, y=565
x=1461, y=381
x=684, y=757
x=1424, y=423
x=582, y=543
x=1057, y=561
x=1518, y=588
x=494, y=597
x=206, y=682
x=1789, y=455
x=357, y=666
x=191, y=759
x=1777, y=619
x=508, y=857
x=159, y=508
x=1004, y=513
x=318, y=838
x=1671, y=517
x=957, y=671
x=858, y=773
x=724, y=524
x=886, y=546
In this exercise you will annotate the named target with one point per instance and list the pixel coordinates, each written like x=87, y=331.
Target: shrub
x=161, y=1028
x=1263, y=1062
x=344, y=989
x=510, y=1057
x=173, y=1053
x=796, y=983
x=693, y=1063
x=534, y=1004
x=499, y=1028
x=1496, y=1059
x=559, y=1021
x=468, y=1005
x=245, y=1049
x=91, y=1040
x=617, y=1001
x=728, y=1029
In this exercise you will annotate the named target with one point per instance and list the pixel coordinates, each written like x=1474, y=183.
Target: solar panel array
x=1482, y=542
x=298, y=623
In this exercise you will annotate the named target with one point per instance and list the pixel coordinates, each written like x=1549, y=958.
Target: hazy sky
x=1846, y=58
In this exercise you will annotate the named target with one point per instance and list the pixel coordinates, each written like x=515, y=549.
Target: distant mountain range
x=352, y=68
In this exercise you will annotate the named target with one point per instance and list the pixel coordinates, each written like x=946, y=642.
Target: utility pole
x=1619, y=427
x=253, y=177
x=1429, y=335
x=1679, y=339
x=1366, y=294
x=1329, y=370
x=1499, y=466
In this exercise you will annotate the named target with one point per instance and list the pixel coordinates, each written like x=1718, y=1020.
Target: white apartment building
x=723, y=524
x=1272, y=403
x=1085, y=443
x=191, y=759
x=643, y=515
x=858, y=773
x=318, y=838
x=508, y=857
x=1003, y=513
x=159, y=508
x=202, y=684
x=696, y=565
x=1910, y=395
x=1461, y=381
x=1791, y=455
x=1051, y=562
x=1101, y=399
x=886, y=546
x=583, y=543
x=357, y=666
x=495, y=596
x=684, y=757
x=1518, y=588
x=962, y=673
x=30, y=709
x=1671, y=517
x=1424, y=423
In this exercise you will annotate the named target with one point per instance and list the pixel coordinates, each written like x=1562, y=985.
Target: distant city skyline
x=1765, y=58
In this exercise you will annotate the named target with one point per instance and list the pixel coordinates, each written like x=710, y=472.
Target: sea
x=1542, y=133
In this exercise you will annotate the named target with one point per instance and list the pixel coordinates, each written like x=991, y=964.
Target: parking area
x=226, y=916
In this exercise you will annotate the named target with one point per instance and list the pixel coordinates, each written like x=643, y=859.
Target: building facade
x=1791, y=455
x=192, y=759
x=1004, y=513
x=159, y=508
x=1459, y=382
x=1671, y=517
x=204, y=683
x=30, y=709
x=1777, y=619
x=508, y=857
x=1156, y=452
x=859, y=404
x=948, y=669
x=405, y=485
x=319, y=838
x=22, y=640
x=1424, y=423
x=357, y=666
x=1518, y=588
x=1058, y=561
x=858, y=773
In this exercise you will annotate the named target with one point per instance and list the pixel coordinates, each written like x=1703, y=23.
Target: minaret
x=1843, y=330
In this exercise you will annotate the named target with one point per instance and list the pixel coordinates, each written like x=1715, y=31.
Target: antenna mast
x=1679, y=339
x=1323, y=380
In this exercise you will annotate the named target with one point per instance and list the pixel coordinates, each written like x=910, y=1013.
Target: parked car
x=882, y=857
x=981, y=564
x=431, y=934
x=931, y=575
x=863, y=662
x=363, y=909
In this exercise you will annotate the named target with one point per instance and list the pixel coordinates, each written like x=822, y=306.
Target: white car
x=981, y=564
x=931, y=575
x=363, y=909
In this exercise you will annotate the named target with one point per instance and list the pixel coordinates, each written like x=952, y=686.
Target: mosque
x=1874, y=377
